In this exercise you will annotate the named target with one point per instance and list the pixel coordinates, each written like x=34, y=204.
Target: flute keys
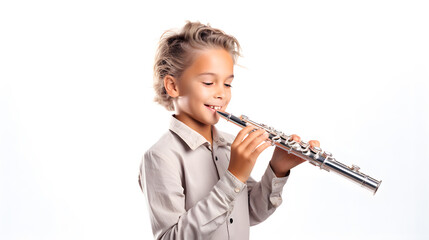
x=283, y=135
x=275, y=139
x=355, y=168
x=304, y=145
x=326, y=154
x=315, y=150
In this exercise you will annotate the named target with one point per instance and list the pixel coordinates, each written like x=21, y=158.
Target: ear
x=170, y=85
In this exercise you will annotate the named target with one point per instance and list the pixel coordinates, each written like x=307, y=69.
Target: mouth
x=213, y=108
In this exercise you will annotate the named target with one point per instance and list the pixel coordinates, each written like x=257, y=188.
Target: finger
x=257, y=141
x=260, y=149
x=314, y=143
x=296, y=138
x=243, y=133
x=252, y=136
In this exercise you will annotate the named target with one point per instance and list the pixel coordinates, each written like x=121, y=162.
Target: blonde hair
x=175, y=53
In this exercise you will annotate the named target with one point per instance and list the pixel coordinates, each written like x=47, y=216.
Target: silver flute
x=313, y=155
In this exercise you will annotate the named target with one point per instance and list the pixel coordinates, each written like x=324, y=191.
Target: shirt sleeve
x=264, y=196
x=161, y=182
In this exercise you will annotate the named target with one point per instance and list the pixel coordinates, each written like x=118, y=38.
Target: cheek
x=193, y=92
x=197, y=98
x=228, y=96
x=202, y=93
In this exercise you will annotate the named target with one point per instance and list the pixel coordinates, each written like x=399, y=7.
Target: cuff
x=231, y=186
x=275, y=185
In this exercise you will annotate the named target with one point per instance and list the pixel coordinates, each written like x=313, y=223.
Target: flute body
x=314, y=155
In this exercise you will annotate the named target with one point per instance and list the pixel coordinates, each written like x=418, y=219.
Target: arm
x=162, y=185
x=264, y=196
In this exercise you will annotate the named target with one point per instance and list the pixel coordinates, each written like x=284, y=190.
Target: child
x=196, y=178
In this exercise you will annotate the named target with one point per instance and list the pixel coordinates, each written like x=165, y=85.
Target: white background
x=76, y=111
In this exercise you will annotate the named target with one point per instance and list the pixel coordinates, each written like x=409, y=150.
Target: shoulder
x=165, y=151
x=162, y=162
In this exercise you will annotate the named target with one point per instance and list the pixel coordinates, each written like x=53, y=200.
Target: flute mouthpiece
x=223, y=114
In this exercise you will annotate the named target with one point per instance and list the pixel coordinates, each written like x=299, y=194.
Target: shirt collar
x=193, y=139
x=221, y=138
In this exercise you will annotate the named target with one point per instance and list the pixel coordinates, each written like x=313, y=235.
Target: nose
x=220, y=91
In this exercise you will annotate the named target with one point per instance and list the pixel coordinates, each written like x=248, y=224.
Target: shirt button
x=216, y=158
x=237, y=190
x=231, y=220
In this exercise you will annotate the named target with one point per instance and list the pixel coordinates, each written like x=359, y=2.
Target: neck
x=203, y=129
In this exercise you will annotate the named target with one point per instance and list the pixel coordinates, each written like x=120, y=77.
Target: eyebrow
x=213, y=74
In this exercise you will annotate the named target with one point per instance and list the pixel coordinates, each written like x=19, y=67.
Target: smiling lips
x=213, y=107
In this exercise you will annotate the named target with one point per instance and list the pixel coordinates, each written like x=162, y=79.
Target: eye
x=207, y=83
x=227, y=85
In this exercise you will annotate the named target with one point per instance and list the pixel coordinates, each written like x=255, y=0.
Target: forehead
x=217, y=61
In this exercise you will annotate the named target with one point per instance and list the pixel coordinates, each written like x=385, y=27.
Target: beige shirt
x=191, y=194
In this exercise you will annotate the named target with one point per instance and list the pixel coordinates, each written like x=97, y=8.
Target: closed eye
x=227, y=85
x=207, y=83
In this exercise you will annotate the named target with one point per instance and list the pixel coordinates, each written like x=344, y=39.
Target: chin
x=212, y=121
x=215, y=122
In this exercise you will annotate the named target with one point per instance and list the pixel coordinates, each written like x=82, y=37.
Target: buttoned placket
x=219, y=159
x=220, y=164
x=212, y=149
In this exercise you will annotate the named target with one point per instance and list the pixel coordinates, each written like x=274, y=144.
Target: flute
x=314, y=155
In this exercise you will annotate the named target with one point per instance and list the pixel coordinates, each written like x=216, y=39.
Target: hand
x=282, y=161
x=245, y=151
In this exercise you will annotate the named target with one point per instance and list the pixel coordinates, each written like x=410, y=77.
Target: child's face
x=205, y=87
